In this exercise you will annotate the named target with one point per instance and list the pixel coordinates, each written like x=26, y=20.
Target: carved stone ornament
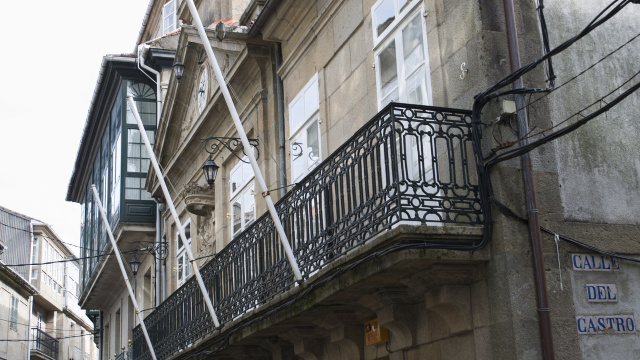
x=199, y=199
x=206, y=240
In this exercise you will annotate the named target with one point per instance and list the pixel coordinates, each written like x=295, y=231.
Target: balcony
x=44, y=346
x=410, y=165
x=126, y=354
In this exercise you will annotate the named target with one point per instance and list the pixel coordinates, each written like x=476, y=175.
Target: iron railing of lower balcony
x=409, y=164
x=44, y=343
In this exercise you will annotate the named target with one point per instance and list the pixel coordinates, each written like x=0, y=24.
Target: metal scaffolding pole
x=174, y=213
x=96, y=197
x=245, y=141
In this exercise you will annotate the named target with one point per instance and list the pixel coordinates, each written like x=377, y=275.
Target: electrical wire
x=58, y=338
x=511, y=213
x=23, y=324
x=600, y=19
x=510, y=154
x=68, y=260
x=580, y=73
x=481, y=99
x=29, y=231
x=545, y=44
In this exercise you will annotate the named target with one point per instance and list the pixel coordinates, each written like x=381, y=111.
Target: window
x=34, y=257
x=13, y=314
x=402, y=71
x=137, y=156
x=184, y=267
x=115, y=191
x=243, y=201
x=169, y=18
x=40, y=322
x=304, y=141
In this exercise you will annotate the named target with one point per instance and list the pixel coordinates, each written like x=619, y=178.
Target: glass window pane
x=417, y=87
x=247, y=171
x=311, y=99
x=413, y=47
x=236, y=214
x=249, y=206
x=133, y=165
x=132, y=182
x=236, y=179
x=384, y=15
x=144, y=165
x=296, y=115
x=187, y=267
x=146, y=107
x=388, y=69
x=313, y=145
x=132, y=194
x=393, y=96
x=134, y=150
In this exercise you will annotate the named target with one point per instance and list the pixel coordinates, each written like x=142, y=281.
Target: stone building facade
x=357, y=111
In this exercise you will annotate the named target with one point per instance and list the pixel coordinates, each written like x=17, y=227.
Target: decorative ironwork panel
x=44, y=343
x=410, y=164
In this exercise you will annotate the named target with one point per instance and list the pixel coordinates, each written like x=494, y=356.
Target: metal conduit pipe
x=281, y=139
x=530, y=192
x=142, y=49
x=158, y=281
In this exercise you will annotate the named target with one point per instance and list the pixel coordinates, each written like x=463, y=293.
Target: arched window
x=137, y=156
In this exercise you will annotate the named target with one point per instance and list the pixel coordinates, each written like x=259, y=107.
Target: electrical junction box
x=508, y=107
x=374, y=333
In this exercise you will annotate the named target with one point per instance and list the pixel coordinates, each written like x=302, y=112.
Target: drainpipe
x=530, y=192
x=101, y=332
x=142, y=49
x=157, y=266
x=164, y=262
x=29, y=325
x=281, y=140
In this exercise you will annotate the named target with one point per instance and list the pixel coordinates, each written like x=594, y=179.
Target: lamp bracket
x=198, y=53
x=158, y=250
x=213, y=144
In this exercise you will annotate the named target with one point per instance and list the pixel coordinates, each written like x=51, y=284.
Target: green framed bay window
x=119, y=171
x=138, y=206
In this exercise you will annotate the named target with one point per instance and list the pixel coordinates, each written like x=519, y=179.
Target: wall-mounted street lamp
x=178, y=67
x=135, y=265
x=213, y=144
x=210, y=170
x=157, y=250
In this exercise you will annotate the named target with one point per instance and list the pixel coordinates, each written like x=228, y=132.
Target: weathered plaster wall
x=599, y=165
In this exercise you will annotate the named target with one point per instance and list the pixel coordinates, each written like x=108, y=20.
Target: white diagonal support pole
x=174, y=213
x=245, y=141
x=96, y=197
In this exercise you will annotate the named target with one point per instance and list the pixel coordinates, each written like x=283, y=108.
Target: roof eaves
x=128, y=58
x=145, y=22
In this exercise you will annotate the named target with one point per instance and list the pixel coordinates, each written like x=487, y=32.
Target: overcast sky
x=51, y=54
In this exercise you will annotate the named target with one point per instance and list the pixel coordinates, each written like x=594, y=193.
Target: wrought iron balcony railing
x=44, y=343
x=409, y=164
